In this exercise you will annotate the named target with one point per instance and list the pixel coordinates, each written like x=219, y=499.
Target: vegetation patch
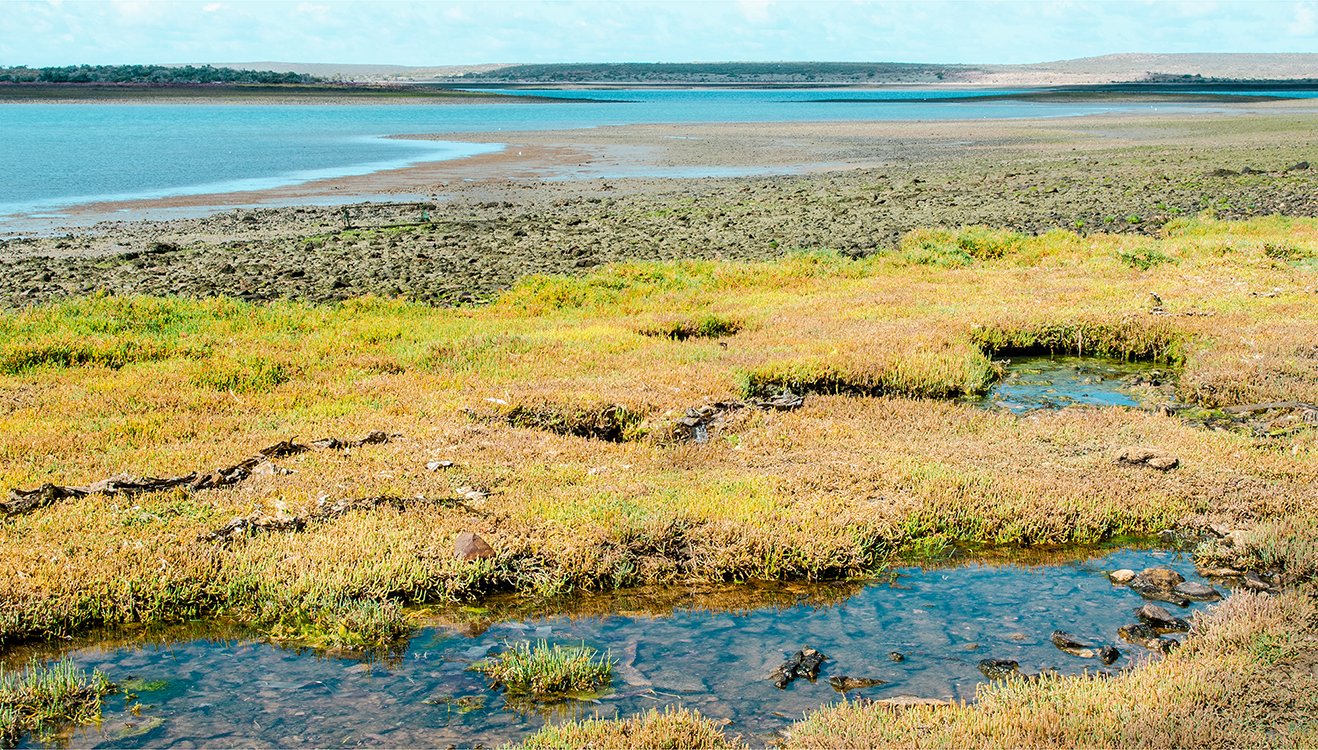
x=336, y=623
x=948, y=248
x=709, y=326
x=1129, y=338
x=947, y=374
x=18, y=358
x=672, y=727
x=613, y=423
x=545, y=671
x=254, y=374
x=1145, y=258
x=42, y=698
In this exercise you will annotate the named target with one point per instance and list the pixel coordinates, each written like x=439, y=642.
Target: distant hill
x=728, y=73
x=1129, y=68
x=1123, y=68
x=149, y=74
x=366, y=73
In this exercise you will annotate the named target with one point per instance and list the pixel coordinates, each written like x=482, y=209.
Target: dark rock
x=239, y=528
x=1071, y=645
x=1298, y=167
x=1161, y=620
x=1198, y=592
x=804, y=663
x=1109, y=654
x=469, y=546
x=896, y=656
x=843, y=683
x=1163, y=645
x=1137, y=633
x=999, y=669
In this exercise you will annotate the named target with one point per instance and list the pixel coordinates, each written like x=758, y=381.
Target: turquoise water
x=57, y=155
x=712, y=649
x=1056, y=382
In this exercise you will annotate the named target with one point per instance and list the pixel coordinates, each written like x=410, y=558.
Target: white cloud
x=1305, y=22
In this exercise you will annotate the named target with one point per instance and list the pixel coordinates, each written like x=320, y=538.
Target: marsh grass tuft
x=668, y=728
x=708, y=326
x=543, y=671
x=947, y=248
x=44, y=697
x=1145, y=258
x=613, y=423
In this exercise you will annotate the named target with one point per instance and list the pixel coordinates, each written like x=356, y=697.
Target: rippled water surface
x=711, y=649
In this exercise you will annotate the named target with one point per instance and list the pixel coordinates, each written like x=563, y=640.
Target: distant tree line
x=730, y=72
x=147, y=74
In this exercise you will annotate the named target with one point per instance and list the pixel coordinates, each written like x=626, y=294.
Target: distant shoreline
x=53, y=93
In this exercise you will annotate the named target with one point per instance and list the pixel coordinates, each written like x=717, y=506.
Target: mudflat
x=568, y=201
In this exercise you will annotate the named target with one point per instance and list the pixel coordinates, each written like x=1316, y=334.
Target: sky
x=456, y=32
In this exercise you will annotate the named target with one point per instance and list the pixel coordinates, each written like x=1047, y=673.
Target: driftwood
x=26, y=501
x=370, y=438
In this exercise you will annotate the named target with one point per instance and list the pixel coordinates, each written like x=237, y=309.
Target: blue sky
x=410, y=32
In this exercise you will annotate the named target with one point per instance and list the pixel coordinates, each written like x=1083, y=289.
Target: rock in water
x=1161, y=620
x=1121, y=577
x=843, y=683
x=1159, y=584
x=1197, y=591
x=1137, y=633
x=804, y=663
x=469, y=546
x=811, y=661
x=1068, y=643
x=896, y=656
x=1109, y=654
x=1162, y=578
x=999, y=669
x=1162, y=644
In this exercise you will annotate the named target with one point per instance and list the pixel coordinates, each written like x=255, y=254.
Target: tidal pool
x=1034, y=382
x=710, y=648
